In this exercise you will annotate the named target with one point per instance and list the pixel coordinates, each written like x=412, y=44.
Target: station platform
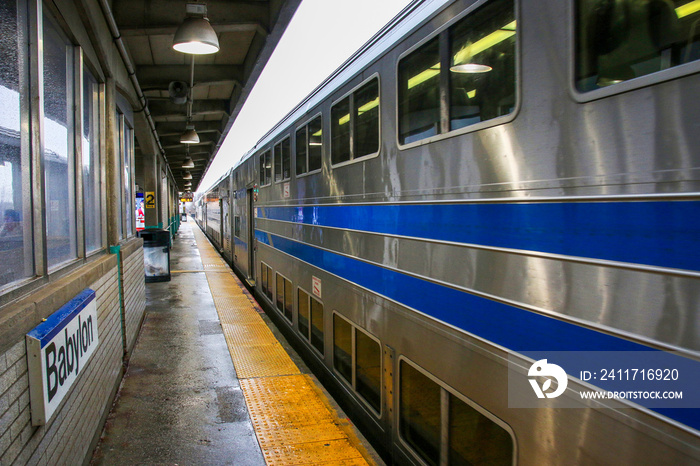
x=212, y=381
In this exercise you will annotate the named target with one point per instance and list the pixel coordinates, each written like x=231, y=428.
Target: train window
x=419, y=93
x=357, y=358
x=16, y=252
x=355, y=124
x=619, y=41
x=342, y=347
x=420, y=417
x=340, y=131
x=280, y=293
x=464, y=76
x=263, y=277
x=303, y=317
x=429, y=413
x=270, y=283
x=92, y=184
x=282, y=161
x=366, y=127
x=476, y=439
x=301, y=151
x=317, y=324
x=315, y=132
x=482, y=68
x=59, y=151
x=309, y=147
x=288, y=300
x=368, y=370
x=265, y=168
x=237, y=226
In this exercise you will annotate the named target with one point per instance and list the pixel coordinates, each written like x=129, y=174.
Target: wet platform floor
x=182, y=401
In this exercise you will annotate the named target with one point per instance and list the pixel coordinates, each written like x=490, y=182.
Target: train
x=484, y=182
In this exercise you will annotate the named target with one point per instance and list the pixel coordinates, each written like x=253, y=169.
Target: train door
x=226, y=228
x=252, y=242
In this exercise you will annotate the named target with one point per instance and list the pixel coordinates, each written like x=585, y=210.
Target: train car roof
x=400, y=26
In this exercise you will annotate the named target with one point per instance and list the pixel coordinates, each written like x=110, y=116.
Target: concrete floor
x=180, y=401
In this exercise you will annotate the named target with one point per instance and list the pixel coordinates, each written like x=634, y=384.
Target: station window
x=265, y=168
x=92, y=183
x=357, y=358
x=355, y=124
x=619, y=41
x=426, y=409
x=309, y=145
x=285, y=299
x=59, y=144
x=282, y=161
x=464, y=76
x=16, y=250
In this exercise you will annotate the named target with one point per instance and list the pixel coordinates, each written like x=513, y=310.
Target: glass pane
x=16, y=228
x=128, y=201
x=261, y=179
x=268, y=167
x=618, y=41
x=269, y=283
x=92, y=187
x=286, y=159
x=368, y=369
x=419, y=406
x=301, y=151
x=303, y=317
x=278, y=162
x=475, y=439
x=482, y=72
x=280, y=293
x=367, y=119
x=59, y=155
x=315, y=144
x=120, y=143
x=263, y=277
x=288, y=300
x=340, y=131
x=342, y=347
x=317, y=324
x=419, y=93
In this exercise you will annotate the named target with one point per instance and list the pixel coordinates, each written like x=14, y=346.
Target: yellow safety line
x=292, y=422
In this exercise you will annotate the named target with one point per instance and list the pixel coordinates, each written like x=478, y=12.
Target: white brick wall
x=67, y=438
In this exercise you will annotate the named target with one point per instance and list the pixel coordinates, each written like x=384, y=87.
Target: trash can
x=156, y=254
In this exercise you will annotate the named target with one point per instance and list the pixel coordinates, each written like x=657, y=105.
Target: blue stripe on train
x=658, y=233
x=511, y=327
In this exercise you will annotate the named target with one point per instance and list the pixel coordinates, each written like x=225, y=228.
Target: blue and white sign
x=57, y=351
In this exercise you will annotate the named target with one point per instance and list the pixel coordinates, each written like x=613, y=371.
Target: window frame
x=657, y=77
x=307, y=338
x=353, y=362
x=334, y=102
x=445, y=391
x=279, y=144
x=283, y=311
x=305, y=124
x=444, y=30
x=262, y=181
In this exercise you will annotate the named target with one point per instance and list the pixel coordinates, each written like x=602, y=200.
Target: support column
x=112, y=167
x=151, y=195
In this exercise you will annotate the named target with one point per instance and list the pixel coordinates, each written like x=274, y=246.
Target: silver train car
x=484, y=180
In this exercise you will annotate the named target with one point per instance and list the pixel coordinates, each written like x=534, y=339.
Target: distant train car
x=481, y=182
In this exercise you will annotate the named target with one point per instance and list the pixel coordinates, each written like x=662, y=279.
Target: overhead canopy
x=248, y=32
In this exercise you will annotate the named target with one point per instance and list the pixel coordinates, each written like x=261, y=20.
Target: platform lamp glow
x=195, y=35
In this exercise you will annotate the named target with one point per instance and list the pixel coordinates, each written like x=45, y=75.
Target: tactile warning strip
x=293, y=424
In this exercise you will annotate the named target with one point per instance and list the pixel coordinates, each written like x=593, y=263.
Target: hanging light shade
x=196, y=36
x=190, y=136
x=187, y=176
x=188, y=163
x=188, y=184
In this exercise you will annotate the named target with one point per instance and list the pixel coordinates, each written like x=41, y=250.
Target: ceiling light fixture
x=187, y=176
x=195, y=35
x=188, y=163
x=190, y=136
